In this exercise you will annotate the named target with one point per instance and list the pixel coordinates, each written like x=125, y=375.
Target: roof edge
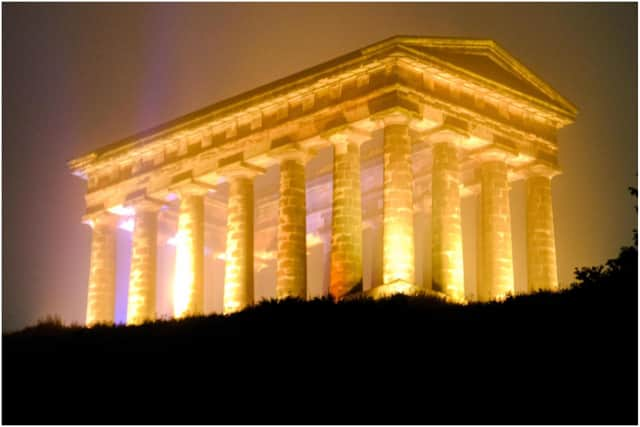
x=264, y=91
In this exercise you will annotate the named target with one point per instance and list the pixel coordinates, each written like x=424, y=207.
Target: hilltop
x=565, y=357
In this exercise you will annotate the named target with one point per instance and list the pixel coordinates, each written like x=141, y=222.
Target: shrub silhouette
x=550, y=357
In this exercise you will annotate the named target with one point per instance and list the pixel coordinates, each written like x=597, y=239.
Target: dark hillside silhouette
x=567, y=357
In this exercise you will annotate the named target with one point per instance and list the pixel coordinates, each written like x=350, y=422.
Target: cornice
x=395, y=94
x=473, y=45
x=566, y=116
x=301, y=84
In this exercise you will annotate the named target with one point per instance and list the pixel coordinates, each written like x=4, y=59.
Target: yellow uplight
x=398, y=253
x=183, y=278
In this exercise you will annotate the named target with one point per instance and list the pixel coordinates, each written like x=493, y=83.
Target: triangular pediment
x=487, y=60
x=482, y=64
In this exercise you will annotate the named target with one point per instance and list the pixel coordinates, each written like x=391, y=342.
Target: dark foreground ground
x=560, y=358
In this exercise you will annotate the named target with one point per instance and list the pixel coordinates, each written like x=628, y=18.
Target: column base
x=401, y=287
x=395, y=287
x=405, y=288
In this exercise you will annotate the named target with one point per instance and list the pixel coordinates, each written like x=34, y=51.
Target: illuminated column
x=188, y=284
x=398, y=244
x=346, y=222
x=141, y=305
x=292, y=250
x=102, y=277
x=541, y=245
x=446, y=221
x=238, y=279
x=495, y=261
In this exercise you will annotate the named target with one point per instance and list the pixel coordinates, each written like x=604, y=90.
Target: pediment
x=486, y=59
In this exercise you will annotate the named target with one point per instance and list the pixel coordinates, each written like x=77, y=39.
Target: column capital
x=104, y=217
x=396, y=117
x=473, y=138
x=479, y=136
x=369, y=125
x=300, y=155
x=146, y=204
x=491, y=154
x=240, y=170
x=430, y=118
x=343, y=137
x=540, y=169
x=302, y=151
x=191, y=187
x=446, y=134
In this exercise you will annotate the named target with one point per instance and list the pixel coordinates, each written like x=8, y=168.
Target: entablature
x=249, y=115
x=262, y=152
x=356, y=95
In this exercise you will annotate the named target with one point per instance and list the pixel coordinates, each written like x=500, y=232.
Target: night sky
x=79, y=76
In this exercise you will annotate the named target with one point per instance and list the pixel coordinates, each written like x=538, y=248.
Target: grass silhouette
x=561, y=357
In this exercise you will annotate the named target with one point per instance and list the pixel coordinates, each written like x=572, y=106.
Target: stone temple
x=359, y=150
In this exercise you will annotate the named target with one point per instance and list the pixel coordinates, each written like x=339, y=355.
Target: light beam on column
x=188, y=282
x=141, y=304
x=542, y=268
x=398, y=240
x=239, y=266
x=446, y=220
x=292, y=251
x=101, y=300
x=346, y=218
x=495, y=259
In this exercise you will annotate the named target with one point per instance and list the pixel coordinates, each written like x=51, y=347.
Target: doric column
x=495, y=261
x=346, y=219
x=141, y=305
x=541, y=244
x=188, y=282
x=446, y=221
x=238, y=278
x=102, y=276
x=398, y=243
x=292, y=250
